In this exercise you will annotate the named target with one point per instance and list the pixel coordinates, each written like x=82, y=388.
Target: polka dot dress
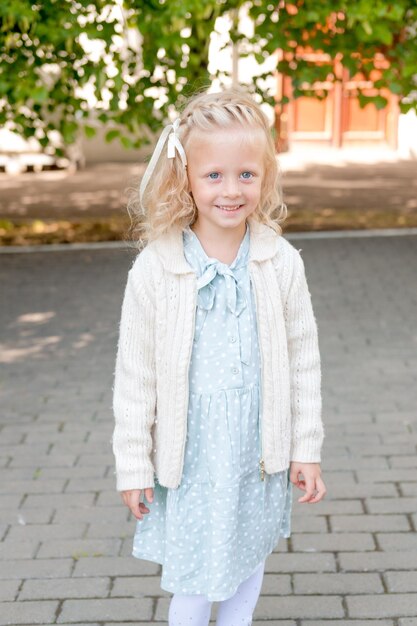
x=212, y=532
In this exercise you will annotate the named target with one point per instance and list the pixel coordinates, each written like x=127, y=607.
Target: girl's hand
x=310, y=481
x=131, y=499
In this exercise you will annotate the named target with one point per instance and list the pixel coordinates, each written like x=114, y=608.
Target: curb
x=121, y=245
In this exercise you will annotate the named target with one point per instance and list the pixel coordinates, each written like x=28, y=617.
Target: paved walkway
x=65, y=535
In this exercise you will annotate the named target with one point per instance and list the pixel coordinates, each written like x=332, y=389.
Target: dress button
x=235, y=370
x=232, y=339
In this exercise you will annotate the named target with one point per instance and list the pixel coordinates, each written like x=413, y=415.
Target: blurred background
x=86, y=87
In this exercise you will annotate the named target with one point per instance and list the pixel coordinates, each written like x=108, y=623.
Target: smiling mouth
x=229, y=209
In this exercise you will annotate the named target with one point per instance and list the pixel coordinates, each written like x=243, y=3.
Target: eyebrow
x=247, y=166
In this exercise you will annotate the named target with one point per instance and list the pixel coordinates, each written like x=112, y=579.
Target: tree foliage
x=124, y=63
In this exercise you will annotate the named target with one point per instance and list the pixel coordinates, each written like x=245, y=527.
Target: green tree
x=134, y=59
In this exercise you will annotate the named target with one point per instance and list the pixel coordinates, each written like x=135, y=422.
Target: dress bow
x=235, y=297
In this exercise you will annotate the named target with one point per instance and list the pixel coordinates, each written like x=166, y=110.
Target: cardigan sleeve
x=134, y=391
x=307, y=432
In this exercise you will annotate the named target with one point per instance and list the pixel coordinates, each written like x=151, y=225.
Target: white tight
x=195, y=610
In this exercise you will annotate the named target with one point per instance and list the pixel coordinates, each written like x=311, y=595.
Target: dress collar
x=199, y=259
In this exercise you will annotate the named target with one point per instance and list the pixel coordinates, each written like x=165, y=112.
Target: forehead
x=229, y=138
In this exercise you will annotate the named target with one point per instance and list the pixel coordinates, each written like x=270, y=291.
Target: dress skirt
x=213, y=531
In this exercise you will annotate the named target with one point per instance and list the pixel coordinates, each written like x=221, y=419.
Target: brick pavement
x=65, y=538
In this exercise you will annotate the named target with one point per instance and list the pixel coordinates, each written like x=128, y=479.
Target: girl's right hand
x=131, y=498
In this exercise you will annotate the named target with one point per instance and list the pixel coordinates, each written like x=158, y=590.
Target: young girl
x=217, y=396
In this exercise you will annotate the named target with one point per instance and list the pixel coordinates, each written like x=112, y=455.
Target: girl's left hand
x=310, y=481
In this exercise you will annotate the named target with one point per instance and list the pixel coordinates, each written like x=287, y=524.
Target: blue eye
x=247, y=175
x=213, y=175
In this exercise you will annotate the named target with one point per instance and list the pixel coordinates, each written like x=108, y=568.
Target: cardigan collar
x=169, y=247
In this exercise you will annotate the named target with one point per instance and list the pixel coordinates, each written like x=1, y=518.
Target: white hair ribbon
x=174, y=144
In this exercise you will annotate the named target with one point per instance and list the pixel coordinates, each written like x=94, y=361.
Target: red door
x=336, y=120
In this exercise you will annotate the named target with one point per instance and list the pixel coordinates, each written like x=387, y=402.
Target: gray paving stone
x=333, y=542
x=384, y=450
x=288, y=563
x=401, y=581
x=91, y=460
x=77, y=485
x=391, y=505
x=108, y=498
x=383, y=476
x=59, y=500
x=26, y=516
x=79, y=548
x=91, y=471
x=397, y=541
x=8, y=590
x=100, y=530
x=276, y=584
x=10, y=501
x=33, y=486
x=294, y=607
x=45, y=460
x=327, y=507
x=92, y=515
x=137, y=587
x=348, y=622
x=351, y=492
x=35, y=568
x=115, y=566
x=356, y=462
x=403, y=461
x=408, y=489
x=3, y=530
x=42, y=532
x=15, y=613
x=111, y=609
x=388, y=605
x=45, y=589
x=378, y=561
x=272, y=622
x=20, y=473
x=304, y=524
x=412, y=621
x=10, y=549
x=368, y=523
x=337, y=583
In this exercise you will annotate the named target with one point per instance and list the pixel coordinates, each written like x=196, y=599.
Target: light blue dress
x=213, y=531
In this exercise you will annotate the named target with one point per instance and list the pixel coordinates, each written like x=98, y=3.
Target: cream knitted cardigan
x=150, y=394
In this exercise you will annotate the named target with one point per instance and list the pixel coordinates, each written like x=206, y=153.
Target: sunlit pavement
x=66, y=537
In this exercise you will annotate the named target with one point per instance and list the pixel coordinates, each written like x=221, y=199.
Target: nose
x=231, y=188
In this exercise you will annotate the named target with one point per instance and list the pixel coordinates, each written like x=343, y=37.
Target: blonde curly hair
x=167, y=202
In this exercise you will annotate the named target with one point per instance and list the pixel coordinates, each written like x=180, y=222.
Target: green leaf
x=90, y=131
x=126, y=142
x=112, y=134
x=39, y=94
x=380, y=102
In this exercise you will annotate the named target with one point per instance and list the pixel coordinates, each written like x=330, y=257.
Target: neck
x=222, y=245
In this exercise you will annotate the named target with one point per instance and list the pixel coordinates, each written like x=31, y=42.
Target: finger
x=149, y=494
x=309, y=490
x=294, y=475
x=134, y=502
x=135, y=509
x=321, y=491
